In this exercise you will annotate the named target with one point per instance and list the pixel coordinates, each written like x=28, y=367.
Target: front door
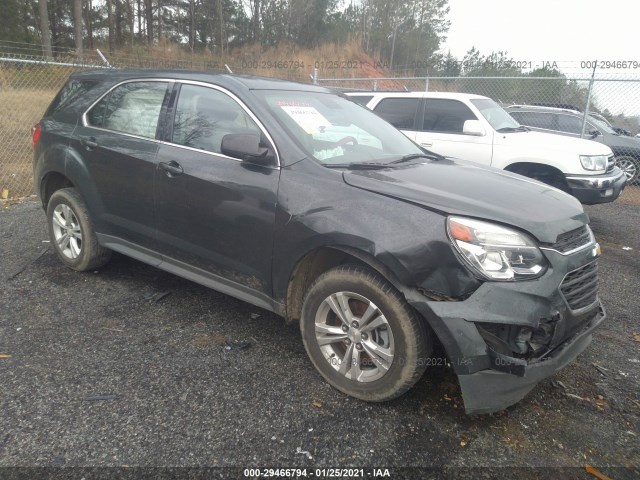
x=215, y=214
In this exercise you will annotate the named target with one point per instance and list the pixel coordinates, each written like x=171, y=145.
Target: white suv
x=475, y=128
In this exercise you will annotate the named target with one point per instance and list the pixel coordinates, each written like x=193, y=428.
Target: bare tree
x=77, y=25
x=45, y=33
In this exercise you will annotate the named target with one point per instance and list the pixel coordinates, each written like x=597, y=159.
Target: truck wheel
x=362, y=336
x=71, y=232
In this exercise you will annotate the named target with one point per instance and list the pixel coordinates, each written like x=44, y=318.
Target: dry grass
x=21, y=109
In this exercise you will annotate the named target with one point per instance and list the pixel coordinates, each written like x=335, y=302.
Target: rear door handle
x=426, y=144
x=172, y=168
x=89, y=142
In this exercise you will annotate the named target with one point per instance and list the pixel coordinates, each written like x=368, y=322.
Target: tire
x=631, y=168
x=72, y=233
x=394, y=343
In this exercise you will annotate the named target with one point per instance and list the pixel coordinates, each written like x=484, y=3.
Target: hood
x=620, y=141
x=551, y=141
x=464, y=188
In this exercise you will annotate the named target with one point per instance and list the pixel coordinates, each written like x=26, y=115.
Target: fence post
x=426, y=84
x=375, y=85
x=586, y=110
x=315, y=76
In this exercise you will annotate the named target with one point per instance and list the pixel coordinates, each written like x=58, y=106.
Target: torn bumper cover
x=488, y=391
x=507, y=337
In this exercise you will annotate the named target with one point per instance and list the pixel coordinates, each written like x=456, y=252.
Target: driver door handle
x=426, y=144
x=172, y=168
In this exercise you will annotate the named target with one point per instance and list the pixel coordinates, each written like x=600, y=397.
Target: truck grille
x=611, y=162
x=580, y=287
x=572, y=240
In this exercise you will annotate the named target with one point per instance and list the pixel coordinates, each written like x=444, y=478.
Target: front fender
x=316, y=208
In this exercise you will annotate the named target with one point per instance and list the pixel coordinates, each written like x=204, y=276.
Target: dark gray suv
x=569, y=122
x=306, y=204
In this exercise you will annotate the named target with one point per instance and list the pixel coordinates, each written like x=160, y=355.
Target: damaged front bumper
x=506, y=337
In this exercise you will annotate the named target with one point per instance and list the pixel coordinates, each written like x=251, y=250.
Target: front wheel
x=71, y=232
x=631, y=168
x=362, y=336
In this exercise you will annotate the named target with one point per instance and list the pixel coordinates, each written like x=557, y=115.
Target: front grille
x=580, y=287
x=572, y=240
x=611, y=162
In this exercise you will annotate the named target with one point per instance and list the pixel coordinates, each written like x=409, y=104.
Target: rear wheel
x=361, y=335
x=71, y=232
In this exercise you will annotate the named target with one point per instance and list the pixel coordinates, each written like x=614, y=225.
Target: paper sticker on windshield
x=310, y=119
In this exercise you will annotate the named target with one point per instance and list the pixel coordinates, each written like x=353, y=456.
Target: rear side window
x=205, y=115
x=399, y=112
x=570, y=124
x=536, y=119
x=361, y=99
x=72, y=90
x=132, y=108
x=445, y=116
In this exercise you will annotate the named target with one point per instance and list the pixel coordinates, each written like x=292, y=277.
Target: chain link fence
x=29, y=82
x=597, y=107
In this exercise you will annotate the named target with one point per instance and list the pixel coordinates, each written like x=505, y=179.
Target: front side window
x=601, y=126
x=132, y=108
x=445, y=116
x=205, y=115
x=399, y=112
x=334, y=130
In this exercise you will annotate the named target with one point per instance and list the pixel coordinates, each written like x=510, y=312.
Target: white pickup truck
x=475, y=128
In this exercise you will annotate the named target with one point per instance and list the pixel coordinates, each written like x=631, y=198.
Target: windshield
x=334, y=130
x=497, y=117
x=600, y=125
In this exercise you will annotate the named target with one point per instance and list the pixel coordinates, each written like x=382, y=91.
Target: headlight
x=496, y=252
x=594, y=162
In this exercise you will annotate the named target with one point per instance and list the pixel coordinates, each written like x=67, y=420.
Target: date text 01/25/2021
x=317, y=472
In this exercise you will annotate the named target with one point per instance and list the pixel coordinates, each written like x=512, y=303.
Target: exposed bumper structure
x=591, y=189
x=508, y=336
x=489, y=391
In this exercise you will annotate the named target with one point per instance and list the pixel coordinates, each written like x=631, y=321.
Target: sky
x=567, y=32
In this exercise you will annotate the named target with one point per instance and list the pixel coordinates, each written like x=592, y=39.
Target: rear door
x=116, y=139
x=440, y=130
x=215, y=215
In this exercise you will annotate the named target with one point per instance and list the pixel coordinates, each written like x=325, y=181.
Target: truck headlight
x=496, y=252
x=594, y=162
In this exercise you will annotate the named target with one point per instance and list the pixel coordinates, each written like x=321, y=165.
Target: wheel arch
x=50, y=183
x=319, y=260
x=528, y=168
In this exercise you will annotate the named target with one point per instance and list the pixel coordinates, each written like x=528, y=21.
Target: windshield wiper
x=357, y=165
x=521, y=128
x=412, y=156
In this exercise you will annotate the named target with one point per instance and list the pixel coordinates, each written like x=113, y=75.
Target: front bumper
x=491, y=381
x=592, y=189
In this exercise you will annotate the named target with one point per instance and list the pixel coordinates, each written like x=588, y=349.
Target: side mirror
x=473, y=127
x=246, y=147
x=594, y=133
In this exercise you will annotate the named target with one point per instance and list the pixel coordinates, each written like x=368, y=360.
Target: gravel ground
x=174, y=395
